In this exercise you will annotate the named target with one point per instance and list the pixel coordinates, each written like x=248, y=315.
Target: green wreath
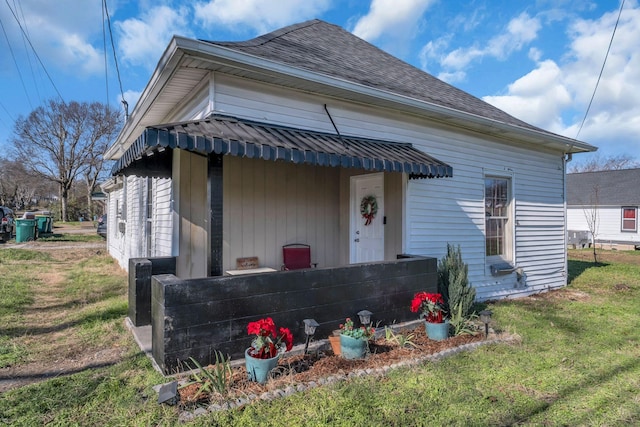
x=368, y=208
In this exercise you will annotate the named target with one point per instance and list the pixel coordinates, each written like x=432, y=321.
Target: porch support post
x=215, y=197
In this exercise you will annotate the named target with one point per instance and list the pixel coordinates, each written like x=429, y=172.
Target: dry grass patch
x=74, y=320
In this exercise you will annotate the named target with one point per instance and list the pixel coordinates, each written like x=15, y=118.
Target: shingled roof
x=328, y=49
x=615, y=188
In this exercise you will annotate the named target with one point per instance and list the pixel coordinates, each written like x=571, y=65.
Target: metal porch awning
x=225, y=135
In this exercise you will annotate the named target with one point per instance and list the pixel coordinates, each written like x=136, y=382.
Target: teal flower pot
x=258, y=369
x=437, y=331
x=352, y=348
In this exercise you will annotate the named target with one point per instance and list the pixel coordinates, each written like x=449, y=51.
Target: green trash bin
x=25, y=230
x=44, y=224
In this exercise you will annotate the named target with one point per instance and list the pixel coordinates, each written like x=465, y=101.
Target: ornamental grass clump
x=268, y=343
x=430, y=306
x=363, y=332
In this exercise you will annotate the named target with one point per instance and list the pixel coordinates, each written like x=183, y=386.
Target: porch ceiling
x=243, y=138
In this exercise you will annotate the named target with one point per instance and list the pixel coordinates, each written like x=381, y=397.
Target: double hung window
x=629, y=219
x=498, y=234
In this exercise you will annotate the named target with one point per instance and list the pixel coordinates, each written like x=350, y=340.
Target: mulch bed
x=297, y=369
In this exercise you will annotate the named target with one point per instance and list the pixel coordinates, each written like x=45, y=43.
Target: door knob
x=356, y=240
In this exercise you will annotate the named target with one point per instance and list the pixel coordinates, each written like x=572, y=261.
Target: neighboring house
x=236, y=149
x=611, y=198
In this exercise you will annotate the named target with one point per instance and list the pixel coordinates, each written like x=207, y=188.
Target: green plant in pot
x=266, y=348
x=354, y=341
x=431, y=308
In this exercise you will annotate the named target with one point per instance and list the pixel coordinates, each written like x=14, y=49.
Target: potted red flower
x=431, y=308
x=266, y=348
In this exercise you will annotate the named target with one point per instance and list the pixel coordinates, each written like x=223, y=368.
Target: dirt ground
x=623, y=257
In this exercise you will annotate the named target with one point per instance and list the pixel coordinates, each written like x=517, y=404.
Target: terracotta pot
x=335, y=344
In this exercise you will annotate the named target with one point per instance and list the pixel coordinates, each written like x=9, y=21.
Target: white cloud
x=60, y=32
x=432, y=50
x=535, y=54
x=537, y=98
x=142, y=40
x=392, y=18
x=455, y=77
x=520, y=31
x=260, y=15
x=555, y=96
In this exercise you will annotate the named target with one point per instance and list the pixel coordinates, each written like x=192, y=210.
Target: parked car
x=102, y=226
x=7, y=224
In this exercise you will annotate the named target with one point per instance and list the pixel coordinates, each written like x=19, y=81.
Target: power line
x=104, y=47
x=115, y=59
x=584, y=119
x=33, y=76
x=34, y=50
x=16, y=63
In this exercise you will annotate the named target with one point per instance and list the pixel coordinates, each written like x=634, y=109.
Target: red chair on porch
x=296, y=256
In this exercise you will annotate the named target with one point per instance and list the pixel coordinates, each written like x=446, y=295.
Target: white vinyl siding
x=609, y=224
x=133, y=242
x=440, y=211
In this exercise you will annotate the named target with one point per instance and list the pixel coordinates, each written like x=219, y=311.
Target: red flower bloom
x=267, y=343
x=286, y=337
x=430, y=306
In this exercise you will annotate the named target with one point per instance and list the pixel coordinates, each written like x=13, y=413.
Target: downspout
x=565, y=159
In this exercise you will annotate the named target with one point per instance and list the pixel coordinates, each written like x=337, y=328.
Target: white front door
x=367, y=236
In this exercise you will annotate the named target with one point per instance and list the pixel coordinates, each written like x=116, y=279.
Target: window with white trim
x=498, y=228
x=630, y=218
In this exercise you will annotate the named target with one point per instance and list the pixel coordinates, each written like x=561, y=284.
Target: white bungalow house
x=606, y=203
x=238, y=148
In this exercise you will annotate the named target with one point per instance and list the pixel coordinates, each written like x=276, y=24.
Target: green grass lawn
x=577, y=363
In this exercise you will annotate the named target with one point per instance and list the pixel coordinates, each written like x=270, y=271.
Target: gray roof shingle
x=330, y=50
x=615, y=187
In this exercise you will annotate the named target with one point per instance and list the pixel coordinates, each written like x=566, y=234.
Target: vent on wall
x=501, y=269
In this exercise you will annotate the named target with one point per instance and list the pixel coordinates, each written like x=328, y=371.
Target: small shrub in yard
x=453, y=282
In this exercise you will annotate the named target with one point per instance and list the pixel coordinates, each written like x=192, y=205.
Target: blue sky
x=537, y=60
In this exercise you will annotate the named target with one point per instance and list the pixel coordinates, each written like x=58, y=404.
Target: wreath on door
x=368, y=208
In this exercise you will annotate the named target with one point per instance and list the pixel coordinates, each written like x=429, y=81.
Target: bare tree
x=597, y=163
x=59, y=142
x=95, y=166
x=591, y=214
x=19, y=189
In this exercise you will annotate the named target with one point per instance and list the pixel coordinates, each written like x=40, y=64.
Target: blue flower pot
x=352, y=348
x=437, y=331
x=258, y=369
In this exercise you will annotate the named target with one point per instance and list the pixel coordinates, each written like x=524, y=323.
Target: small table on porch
x=250, y=271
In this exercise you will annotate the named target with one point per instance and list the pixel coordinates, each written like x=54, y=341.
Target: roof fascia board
x=166, y=67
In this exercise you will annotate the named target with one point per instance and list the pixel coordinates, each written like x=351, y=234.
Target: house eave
x=215, y=58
